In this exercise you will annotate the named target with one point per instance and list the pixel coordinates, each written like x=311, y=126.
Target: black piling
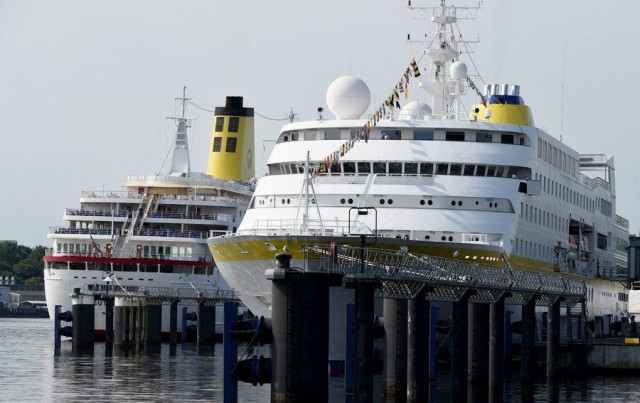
x=496, y=349
x=206, y=325
x=418, y=312
x=478, y=351
x=300, y=326
x=173, y=323
x=553, y=340
x=83, y=312
x=459, y=347
x=529, y=360
x=153, y=325
x=108, y=335
x=394, y=386
x=230, y=352
x=363, y=347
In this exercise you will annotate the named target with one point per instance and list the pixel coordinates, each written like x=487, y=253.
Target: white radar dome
x=414, y=111
x=458, y=71
x=348, y=97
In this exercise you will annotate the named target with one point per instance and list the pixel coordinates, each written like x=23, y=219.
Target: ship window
x=219, y=123
x=217, y=144
x=512, y=173
x=455, y=136
x=506, y=138
x=332, y=135
x=410, y=168
x=349, y=167
x=293, y=168
x=426, y=168
x=442, y=169
x=500, y=172
x=481, y=170
x=456, y=169
x=364, y=167
x=395, y=168
x=468, y=170
x=484, y=137
x=390, y=134
x=231, y=144
x=380, y=167
x=423, y=135
x=491, y=170
x=233, y=124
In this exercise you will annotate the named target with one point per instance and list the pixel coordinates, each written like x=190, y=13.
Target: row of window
x=543, y=218
x=406, y=134
x=232, y=127
x=230, y=147
x=558, y=158
x=142, y=251
x=409, y=168
x=568, y=195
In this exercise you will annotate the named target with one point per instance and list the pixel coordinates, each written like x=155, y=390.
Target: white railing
x=592, y=183
x=192, y=257
x=192, y=181
x=130, y=195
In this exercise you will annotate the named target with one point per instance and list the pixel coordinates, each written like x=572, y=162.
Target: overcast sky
x=86, y=85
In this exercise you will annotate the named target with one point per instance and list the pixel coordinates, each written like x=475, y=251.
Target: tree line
x=22, y=262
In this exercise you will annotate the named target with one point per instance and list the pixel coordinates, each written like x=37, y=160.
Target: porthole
x=350, y=201
x=444, y=238
x=422, y=202
x=390, y=201
x=430, y=202
x=450, y=239
x=477, y=202
x=288, y=201
x=495, y=205
x=490, y=205
x=342, y=201
x=427, y=237
x=453, y=202
x=459, y=203
x=282, y=201
x=381, y=201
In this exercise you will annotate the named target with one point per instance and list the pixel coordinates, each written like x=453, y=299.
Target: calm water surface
x=31, y=371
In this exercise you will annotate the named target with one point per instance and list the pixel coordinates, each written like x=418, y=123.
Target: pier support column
x=83, y=312
x=478, y=349
x=121, y=321
x=363, y=348
x=553, y=340
x=230, y=352
x=459, y=347
x=206, y=325
x=184, y=334
x=300, y=326
x=173, y=323
x=394, y=386
x=418, y=312
x=529, y=360
x=153, y=325
x=108, y=328
x=496, y=349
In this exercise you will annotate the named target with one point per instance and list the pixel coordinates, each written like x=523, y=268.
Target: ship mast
x=181, y=164
x=443, y=49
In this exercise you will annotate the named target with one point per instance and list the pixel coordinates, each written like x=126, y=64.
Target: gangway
x=162, y=295
x=403, y=275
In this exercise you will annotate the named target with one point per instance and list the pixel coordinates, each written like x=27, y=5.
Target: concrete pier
x=496, y=349
x=173, y=323
x=206, y=325
x=529, y=359
x=153, y=325
x=363, y=347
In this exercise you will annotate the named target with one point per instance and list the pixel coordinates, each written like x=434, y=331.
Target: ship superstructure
x=479, y=184
x=152, y=232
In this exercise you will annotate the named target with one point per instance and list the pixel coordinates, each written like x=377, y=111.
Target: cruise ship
x=152, y=232
x=478, y=184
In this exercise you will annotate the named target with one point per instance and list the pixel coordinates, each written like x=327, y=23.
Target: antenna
x=564, y=63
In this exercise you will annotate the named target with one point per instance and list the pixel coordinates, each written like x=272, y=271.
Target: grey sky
x=86, y=84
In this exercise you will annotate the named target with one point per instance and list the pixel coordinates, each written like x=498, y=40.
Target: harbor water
x=31, y=371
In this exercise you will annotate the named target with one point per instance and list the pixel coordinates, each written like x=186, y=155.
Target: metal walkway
x=162, y=295
x=404, y=275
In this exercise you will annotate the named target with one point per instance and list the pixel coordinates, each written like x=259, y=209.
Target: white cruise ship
x=153, y=232
x=479, y=184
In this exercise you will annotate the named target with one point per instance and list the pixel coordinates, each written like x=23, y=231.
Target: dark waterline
x=30, y=371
